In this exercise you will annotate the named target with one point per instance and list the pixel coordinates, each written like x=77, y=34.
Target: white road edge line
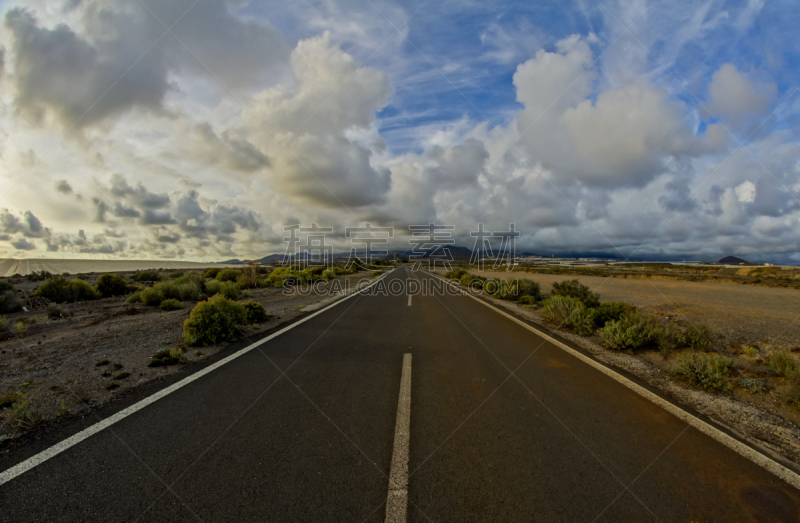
x=397, y=499
x=765, y=462
x=58, y=448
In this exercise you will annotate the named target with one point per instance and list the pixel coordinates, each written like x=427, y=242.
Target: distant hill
x=733, y=260
x=234, y=261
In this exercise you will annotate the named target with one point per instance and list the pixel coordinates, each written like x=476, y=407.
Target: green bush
x=55, y=312
x=165, y=357
x=171, y=304
x=59, y=290
x=211, y=272
x=5, y=286
x=109, y=285
x=136, y=297
x=527, y=300
x=175, y=274
x=255, y=312
x=557, y=309
x=782, y=363
x=228, y=275
x=707, y=371
x=753, y=386
x=152, y=296
x=466, y=278
x=581, y=320
x=529, y=288
x=186, y=291
x=577, y=290
x=9, y=302
x=147, y=276
x=667, y=338
x=20, y=328
x=214, y=321
x=699, y=337
x=25, y=414
x=228, y=289
x=626, y=333
x=611, y=310
x=455, y=274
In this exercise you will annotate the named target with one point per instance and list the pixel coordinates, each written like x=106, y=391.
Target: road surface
x=502, y=426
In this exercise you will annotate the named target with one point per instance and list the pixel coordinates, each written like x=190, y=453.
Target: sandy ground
x=57, y=360
x=741, y=314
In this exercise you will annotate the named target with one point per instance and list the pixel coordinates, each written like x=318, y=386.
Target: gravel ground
x=57, y=360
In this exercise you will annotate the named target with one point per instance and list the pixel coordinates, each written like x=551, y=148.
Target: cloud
x=63, y=187
x=23, y=244
x=737, y=100
x=120, y=60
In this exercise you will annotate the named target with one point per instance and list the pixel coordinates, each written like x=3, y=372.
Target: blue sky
x=646, y=129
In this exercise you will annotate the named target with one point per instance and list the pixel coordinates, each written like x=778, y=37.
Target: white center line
x=397, y=500
x=409, y=300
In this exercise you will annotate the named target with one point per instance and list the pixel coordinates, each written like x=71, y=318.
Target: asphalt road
x=504, y=426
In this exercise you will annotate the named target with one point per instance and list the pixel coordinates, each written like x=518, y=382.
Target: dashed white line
x=397, y=499
x=409, y=300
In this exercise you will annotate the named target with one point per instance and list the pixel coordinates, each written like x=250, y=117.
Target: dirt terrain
x=64, y=366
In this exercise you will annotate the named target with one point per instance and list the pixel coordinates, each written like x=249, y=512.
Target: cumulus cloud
x=22, y=244
x=63, y=187
x=118, y=61
x=737, y=100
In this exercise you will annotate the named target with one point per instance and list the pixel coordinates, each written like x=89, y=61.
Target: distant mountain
x=733, y=260
x=234, y=261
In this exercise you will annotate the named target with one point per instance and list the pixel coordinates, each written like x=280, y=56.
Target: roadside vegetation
x=689, y=352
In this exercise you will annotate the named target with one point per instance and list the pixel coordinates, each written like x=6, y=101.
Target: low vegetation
x=61, y=290
x=171, y=304
x=109, y=285
x=709, y=371
x=219, y=320
x=147, y=276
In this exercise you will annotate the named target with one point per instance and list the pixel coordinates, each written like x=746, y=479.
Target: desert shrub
x=228, y=275
x=611, y=310
x=111, y=285
x=175, y=274
x=7, y=399
x=577, y=290
x=248, y=278
x=171, y=304
x=4, y=323
x=255, y=312
x=214, y=321
x=111, y=385
x=187, y=291
x=707, y=371
x=557, y=309
x=147, y=276
x=136, y=297
x=122, y=375
x=753, y=386
x=626, y=333
x=25, y=414
x=191, y=278
x=152, y=296
x=211, y=272
x=527, y=300
x=19, y=328
x=9, y=302
x=782, y=363
x=581, y=320
x=529, y=288
x=666, y=338
x=102, y=363
x=165, y=357
x=750, y=350
x=38, y=276
x=699, y=337
x=55, y=312
x=377, y=273
x=455, y=274
x=60, y=289
x=466, y=278
x=5, y=286
x=228, y=289
x=328, y=275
